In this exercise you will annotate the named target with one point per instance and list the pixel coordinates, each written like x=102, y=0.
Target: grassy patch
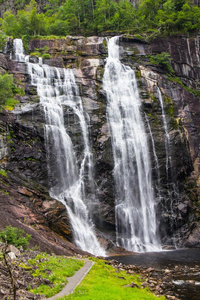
x=56, y=269
x=104, y=282
x=48, y=37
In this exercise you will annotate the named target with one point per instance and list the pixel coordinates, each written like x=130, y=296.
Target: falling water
x=167, y=137
x=156, y=163
x=135, y=206
x=173, y=195
x=57, y=91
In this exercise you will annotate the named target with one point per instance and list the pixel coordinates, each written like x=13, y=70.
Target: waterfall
x=173, y=195
x=135, y=210
x=58, y=91
x=156, y=163
x=167, y=137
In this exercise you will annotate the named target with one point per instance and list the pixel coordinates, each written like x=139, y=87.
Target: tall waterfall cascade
x=57, y=90
x=135, y=207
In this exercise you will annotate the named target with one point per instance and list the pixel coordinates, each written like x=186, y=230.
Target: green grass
x=48, y=37
x=104, y=282
x=60, y=267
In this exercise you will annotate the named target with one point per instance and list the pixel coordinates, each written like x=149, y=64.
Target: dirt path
x=74, y=280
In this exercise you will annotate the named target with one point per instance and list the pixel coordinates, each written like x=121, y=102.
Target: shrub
x=46, y=56
x=8, y=90
x=162, y=59
x=36, y=53
x=3, y=39
x=6, y=87
x=15, y=236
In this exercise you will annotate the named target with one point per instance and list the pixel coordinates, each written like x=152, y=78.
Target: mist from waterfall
x=135, y=207
x=58, y=91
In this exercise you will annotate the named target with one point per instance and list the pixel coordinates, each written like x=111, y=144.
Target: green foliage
x=64, y=17
x=3, y=173
x=170, y=17
x=54, y=268
x=9, y=24
x=6, y=88
x=46, y=56
x=36, y=53
x=104, y=282
x=4, y=192
x=43, y=52
x=3, y=38
x=26, y=38
x=162, y=59
x=179, y=81
x=17, y=90
x=10, y=103
x=15, y=236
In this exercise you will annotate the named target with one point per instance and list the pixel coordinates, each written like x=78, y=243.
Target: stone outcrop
x=22, y=145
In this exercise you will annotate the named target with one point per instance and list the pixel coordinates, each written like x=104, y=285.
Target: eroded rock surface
x=22, y=143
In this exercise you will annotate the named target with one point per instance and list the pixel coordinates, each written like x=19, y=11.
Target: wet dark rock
x=194, y=237
x=24, y=152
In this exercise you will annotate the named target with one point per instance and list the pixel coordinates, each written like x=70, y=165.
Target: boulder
x=12, y=255
x=13, y=249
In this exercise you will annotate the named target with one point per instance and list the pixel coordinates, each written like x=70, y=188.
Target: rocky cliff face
x=23, y=152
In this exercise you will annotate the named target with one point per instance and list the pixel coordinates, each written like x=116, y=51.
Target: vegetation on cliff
x=14, y=236
x=89, y=17
x=8, y=91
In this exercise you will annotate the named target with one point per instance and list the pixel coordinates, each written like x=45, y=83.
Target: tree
x=59, y=27
x=3, y=39
x=9, y=24
x=162, y=59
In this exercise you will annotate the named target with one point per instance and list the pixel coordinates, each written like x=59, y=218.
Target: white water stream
x=57, y=91
x=135, y=211
x=156, y=163
x=172, y=186
x=167, y=137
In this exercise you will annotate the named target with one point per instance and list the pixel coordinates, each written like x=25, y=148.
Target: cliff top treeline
x=88, y=17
